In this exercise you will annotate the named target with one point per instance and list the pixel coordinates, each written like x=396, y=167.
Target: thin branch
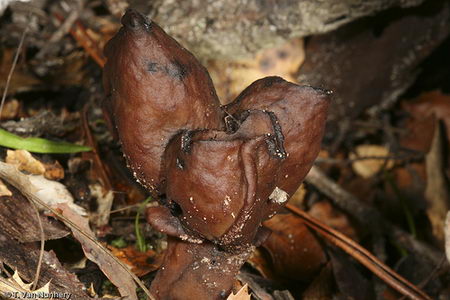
x=11, y=71
x=41, y=253
x=362, y=255
x=367, y=215
x=3, y=269
x=59, y=33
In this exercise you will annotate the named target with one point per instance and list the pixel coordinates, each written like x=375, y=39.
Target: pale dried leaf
x=368, y=167
x=242, y=294
x=437, y=191
x=14, y=287
x=25, y=161
x=4, y=191
x=104, y=201
x=20, y=282
x=53, y=193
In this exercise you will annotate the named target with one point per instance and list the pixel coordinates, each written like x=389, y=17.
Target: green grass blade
x=38, y=145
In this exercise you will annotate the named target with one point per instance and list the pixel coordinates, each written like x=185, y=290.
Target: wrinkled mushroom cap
x=154, y=89
x=224, y=184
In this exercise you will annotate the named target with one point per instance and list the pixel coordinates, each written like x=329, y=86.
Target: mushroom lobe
x=227, y=183
x=154, y=89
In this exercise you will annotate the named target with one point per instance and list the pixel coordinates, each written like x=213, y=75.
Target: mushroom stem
x=200, y=271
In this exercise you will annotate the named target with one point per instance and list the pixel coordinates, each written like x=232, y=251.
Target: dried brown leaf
x=22, y=79
x=423, y=112
x=295, y=252
x=53, y=171
x=332, y=217
x=141, y=263
x=117, y=272
x=10, y=110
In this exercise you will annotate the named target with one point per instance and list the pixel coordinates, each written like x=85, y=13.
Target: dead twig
x=362, y=255
x=11, y=71
x=81, y=36
x=59, y=33
x=3, y=269
x=385, y=158
x=41, y=251
x=368, y=216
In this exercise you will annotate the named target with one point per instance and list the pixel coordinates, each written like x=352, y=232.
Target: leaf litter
x=389, y=139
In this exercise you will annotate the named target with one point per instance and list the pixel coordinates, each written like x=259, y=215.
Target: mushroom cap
x=225, y=184
x=154, y=89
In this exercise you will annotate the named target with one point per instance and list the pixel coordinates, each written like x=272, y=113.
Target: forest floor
x=381, y=178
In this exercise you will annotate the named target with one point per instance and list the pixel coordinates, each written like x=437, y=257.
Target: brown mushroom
x=154, y=89
x=223, y=170
x=221, y=186
x=197, y=271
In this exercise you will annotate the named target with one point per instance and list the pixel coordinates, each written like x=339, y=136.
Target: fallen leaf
x=299, y=196
x=242, y=294
x=295, y=252
x=349, y=280
x=325, y=212
x=14, y=286
x=22, y=79
x=53, y=193
x=437, y=191
x=353, y=62
x=322, y=285
x=25, y=161
x=115, y=270
x=141, y=263
x=261, y=261
x=423, y=112
x=368, y=167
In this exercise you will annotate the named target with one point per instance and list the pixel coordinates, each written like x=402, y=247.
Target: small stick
x=11, y=71
x=362, y=255
x=41, y=253
x=368, y=216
